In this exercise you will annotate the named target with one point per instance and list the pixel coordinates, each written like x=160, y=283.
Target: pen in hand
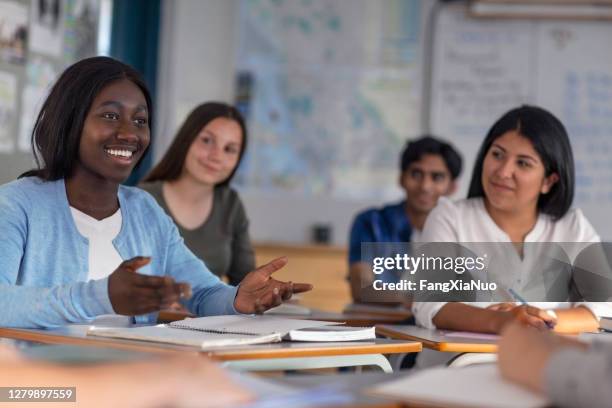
x=519, y=298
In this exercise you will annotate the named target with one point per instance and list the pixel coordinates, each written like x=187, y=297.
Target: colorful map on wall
x=333, y=94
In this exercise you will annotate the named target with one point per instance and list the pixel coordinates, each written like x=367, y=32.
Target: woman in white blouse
x=521, y=192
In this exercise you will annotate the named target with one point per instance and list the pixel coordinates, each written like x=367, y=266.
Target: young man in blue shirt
x=429, y=169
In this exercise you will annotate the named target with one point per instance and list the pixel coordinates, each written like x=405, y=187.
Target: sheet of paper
x=165, y=334
x=478, y=385
x=248, y=324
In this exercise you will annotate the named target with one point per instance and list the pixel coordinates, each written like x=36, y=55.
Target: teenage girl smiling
x=76, y=244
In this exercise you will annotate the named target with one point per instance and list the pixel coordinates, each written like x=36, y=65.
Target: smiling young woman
x=521, y=192
x=191, y=183
x=73, y=238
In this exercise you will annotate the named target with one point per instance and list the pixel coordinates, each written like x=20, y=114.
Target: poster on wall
x=8, y=95
x=40, y=75
x=47, y=27
x=81, y=32
x=13, y=32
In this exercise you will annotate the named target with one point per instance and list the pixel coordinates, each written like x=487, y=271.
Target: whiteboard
x=483, y=68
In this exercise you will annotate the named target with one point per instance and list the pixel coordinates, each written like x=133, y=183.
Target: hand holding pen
x=531, y=315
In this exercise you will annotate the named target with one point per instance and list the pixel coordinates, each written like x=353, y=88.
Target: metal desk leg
x=466, y=359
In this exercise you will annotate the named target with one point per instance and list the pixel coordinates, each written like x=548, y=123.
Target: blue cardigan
x=44, y=259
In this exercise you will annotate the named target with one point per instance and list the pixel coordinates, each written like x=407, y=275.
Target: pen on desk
x=520, y=299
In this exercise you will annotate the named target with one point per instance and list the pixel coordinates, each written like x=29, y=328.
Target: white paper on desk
x=478, y=385
x=164, y=334
x=247, y=324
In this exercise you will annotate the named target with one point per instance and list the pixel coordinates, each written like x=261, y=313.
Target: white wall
x=196, y=60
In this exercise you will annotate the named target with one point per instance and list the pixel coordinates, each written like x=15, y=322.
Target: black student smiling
x=92, y=131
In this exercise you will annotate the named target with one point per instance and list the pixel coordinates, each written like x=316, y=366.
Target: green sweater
x=222, y=241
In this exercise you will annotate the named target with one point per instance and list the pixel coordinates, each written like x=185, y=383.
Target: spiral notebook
x=220, y=331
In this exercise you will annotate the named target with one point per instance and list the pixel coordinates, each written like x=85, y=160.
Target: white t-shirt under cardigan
x=467, y=221
x=103, y=256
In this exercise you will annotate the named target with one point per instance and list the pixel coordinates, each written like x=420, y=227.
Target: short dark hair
x=416, y=149
x=550, y=141
x=171, y=165
x=56, y=135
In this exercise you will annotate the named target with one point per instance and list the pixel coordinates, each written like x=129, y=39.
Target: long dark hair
x=550, y=140
x=57, y=131
x=171, y=165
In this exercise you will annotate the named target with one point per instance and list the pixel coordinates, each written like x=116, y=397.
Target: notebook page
x=247, y=324
x=165, y=334
x=478, y=385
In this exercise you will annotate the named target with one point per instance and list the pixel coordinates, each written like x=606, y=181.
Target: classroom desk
x=387, y=311
x=438, y=340
x=275, y=356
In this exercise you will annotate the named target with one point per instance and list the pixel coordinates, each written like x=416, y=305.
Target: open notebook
x=479, y=385
x=217, y=331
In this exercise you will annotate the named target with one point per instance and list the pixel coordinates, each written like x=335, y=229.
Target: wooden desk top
x=306, y=249
x=388, y=311
x=440, y=340
x=76, y=335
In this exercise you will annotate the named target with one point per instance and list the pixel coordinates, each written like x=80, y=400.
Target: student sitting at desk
x=73, y=238
x=191, y=183
x=521, y=192
x=572, y=374
x=429, y=169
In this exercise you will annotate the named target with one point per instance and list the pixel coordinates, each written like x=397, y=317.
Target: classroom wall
x=204, y=70
x=36, y=68
x=49, y=49
x=196, y=60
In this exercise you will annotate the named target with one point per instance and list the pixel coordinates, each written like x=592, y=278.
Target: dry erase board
x=482, y=68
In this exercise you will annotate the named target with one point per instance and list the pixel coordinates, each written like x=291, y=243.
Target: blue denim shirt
x=387, y=224
x=44, y=259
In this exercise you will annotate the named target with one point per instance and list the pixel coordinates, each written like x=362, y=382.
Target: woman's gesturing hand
x=259, y=291
x=133, y=294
